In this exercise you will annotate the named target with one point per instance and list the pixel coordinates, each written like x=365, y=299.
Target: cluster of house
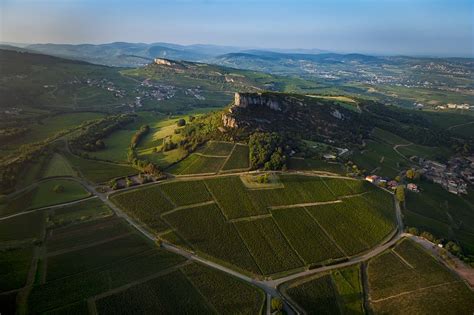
x=106, y=84
x=195, y=92
x=390, y=184
x=453, y=176
x=158, y=92
x=455, y=106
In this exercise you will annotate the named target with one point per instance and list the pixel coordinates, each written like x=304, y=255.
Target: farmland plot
x=218, y=148
x=268, y=246
x=338, y=186
x=86, y=233
x=239, y=159
x=170, y=294
x=204, y=165
x=353, y=224
x=305, y=236
x=58, y=166
x=83, y=211
x=233, y=197
x=61, y=292
x=14, y=266
x=22, y=227
x=317, y=296
x=184, y=193
x=46, y=196
x=204, y=227
x=228, y=295
x=408, y=268
x=146, y=205
x=96, y=256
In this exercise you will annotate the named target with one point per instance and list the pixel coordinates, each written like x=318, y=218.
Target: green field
x=61, y=292
x=239, y=159
x=339, y=292
x=437, y=153
x=205, y=228
x=22, y=227
x=184, y=193
x=441, y=213
x=305, y=235
x=58, y=166
x=268, y=246
x=198, y=164
x=45, y=196
x=85, y=259
x=380, y=158
x=388, y=137
x=354, y=224
x=407, y=279
x=14, y=266
x=18, y=203
x=313, y=164
x=217, y=148
x=225, y=293
x=84, y=211
x=233, y=197
x=146, y=205
x=86, y=233
x=97, y=171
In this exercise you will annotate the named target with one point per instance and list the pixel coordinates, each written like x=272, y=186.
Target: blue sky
x=412, y=27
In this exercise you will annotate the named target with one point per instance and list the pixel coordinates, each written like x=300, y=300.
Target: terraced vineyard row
x=242, y=229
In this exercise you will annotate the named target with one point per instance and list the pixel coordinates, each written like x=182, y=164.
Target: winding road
x=270, y=286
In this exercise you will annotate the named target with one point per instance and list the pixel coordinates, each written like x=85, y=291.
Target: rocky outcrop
x=255, y=99
x=229, y=121
x=161, y=61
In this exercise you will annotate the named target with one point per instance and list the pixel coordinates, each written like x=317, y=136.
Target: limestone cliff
x=161, y=61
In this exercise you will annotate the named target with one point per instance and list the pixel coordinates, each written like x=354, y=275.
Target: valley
x=191, y=187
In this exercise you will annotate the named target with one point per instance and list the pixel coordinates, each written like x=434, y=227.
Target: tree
x=58, y=189
x=400, y=193
x=99, y=144
x=277, y=304
x=397, y=178
x=453, y=248
x=428, y=236
x=410, y=174
x=181, y=122
x=413, y=231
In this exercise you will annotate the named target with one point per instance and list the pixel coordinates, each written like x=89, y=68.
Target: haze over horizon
x=388, y=27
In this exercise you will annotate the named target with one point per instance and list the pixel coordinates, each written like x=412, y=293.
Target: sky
x=384, y=27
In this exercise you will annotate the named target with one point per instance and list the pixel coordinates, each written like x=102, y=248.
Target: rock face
x=160, y=61
x=255, y=99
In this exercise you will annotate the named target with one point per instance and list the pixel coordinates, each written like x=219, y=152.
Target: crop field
x=425, y=152
x=83, y=211
x=86, y=233
x=388, y=137
x=116, y=146
x=52, y=125
x=382, y=156
x=32, y=171
x=145, y=204
x=45, y=196
x=99, y=172
x=317, y=296
x=204, y=165
x=297, y=189
x=233, y=197
x=14, y=266
x=225, y=293
x=58, y=166
x=22, y=227
x=217, y=148
x=239, y=159
x=338, y=292
x=268, y=246
x=205, y=228
x=348, y=284
x=408, y=268
x=171, y=294
x=313, y=164
x=354, y=224
x=81, y=260
x=445, y=215
x=184, y=193
x=64, y=291
x=180, y=167
x=305, y=235
x=8, y=303
x=340, y=187
x=18, y=203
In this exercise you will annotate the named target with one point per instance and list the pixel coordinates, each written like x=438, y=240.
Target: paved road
x=270, y=287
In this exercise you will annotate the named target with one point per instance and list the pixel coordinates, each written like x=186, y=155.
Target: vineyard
x=26, y=226
x=218, y=148
x=265, y=231
x=408, y=268
x=239, y=159
x=14, y=266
